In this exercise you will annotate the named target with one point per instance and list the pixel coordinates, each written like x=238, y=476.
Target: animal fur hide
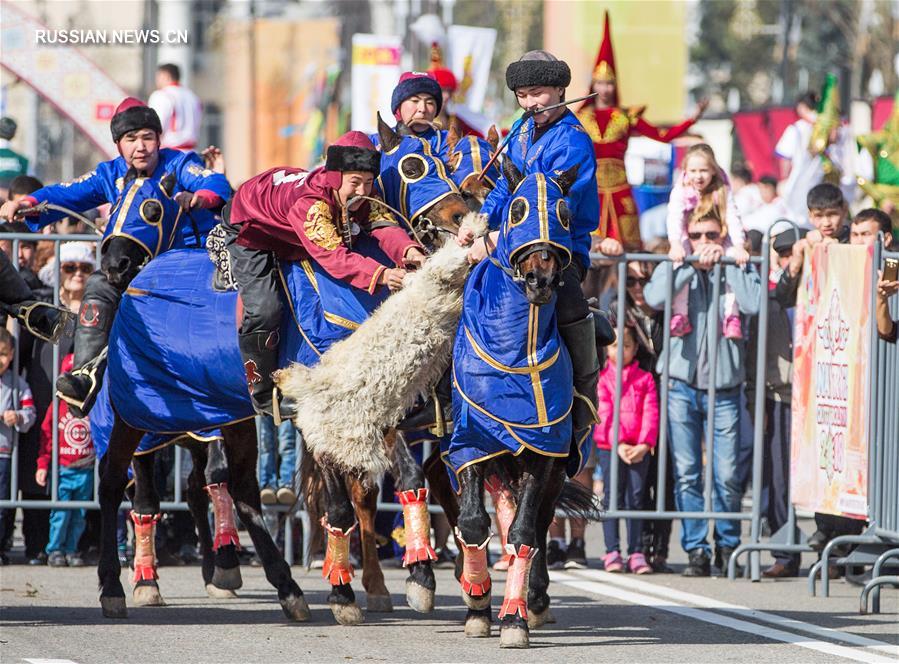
x=365, y=384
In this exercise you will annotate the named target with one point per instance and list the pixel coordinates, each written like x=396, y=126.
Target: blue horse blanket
x=174, y=363
x=512, y=375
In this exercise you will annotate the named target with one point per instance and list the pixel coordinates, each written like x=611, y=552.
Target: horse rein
x=430, y=227
x=42, y=207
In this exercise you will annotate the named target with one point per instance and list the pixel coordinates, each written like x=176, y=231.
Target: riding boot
x=259, y=351
x=580, y=340
x=80, y=387
x=435, y=411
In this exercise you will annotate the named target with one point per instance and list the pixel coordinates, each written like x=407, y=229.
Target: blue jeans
x=66, y=526
x=631, y=487
x=688, y=410
x=269, y=475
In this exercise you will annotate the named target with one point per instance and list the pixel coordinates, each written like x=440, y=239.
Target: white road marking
x=666, y=604
x=48, y=661
x=704, y=602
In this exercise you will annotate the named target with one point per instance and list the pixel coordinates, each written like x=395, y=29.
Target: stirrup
x=93, y=371
x=38, y=318
x=284, y=408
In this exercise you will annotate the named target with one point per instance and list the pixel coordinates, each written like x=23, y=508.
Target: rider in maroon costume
x=287, y=213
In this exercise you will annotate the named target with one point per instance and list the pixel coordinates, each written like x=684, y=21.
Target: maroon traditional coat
x=295, y=214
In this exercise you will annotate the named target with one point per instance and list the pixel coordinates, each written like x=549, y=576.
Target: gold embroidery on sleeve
x=380, y=215
x=320, y=228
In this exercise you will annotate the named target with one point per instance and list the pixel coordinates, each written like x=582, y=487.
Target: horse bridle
x=427, y=225
x=515, y=273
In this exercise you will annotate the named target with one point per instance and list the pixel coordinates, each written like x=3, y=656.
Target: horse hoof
x=537, y=619
x=378, y=604
x=113, y=607
x=512, y=636
x=419, y=598
x=347, y=614
x=295, y=608
x=219, y=593
x=147, y=596
x=477, y=627
x=227, y=578
x=476, y=603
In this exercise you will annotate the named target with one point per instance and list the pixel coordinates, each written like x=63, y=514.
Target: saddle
x=216, y=247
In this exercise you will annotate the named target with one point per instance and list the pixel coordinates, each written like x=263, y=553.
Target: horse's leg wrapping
x=145, y=546
x=223, y=510
x=337, y=567
x=417, y=522
x=475, y=577
x=515, y=599
x=504, y=504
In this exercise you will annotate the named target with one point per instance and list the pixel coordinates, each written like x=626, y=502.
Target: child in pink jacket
x=638, y=431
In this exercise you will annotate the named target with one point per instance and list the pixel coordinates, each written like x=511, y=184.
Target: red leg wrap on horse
x=517, y=581
x=337, y=568
x=504, y=504
x=417, y=522
x=223, y=510
x=145, y=546
x=475, y=577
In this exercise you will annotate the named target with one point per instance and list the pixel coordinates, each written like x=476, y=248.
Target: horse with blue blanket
x=174, y=366
x=512, y=400
x=465, y=158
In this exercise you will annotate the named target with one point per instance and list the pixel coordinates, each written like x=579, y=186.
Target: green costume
x=883, y=146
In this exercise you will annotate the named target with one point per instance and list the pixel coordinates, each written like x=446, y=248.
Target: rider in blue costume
x=552, y=142
x=415, y=102
x=135, y=130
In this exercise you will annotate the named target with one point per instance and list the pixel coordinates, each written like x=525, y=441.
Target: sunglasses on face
x=635, y=281
x=72, y=268
x=710, y=235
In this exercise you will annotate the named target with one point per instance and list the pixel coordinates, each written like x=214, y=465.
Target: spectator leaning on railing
x=688, y=404
x=828, y=213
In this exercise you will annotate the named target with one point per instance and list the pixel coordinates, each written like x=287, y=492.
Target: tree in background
x=770, y=51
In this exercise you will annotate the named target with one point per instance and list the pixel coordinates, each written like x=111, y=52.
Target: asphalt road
x=53, y=615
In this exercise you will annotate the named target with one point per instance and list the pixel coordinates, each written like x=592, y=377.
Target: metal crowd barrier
x=662, y=448
x=883, y=462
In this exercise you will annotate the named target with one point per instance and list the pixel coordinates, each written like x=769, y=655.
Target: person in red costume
x=610, y=126
x=290, y=214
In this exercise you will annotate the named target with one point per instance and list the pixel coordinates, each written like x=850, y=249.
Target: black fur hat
x=538, y=68
x=353, y=151
x=131, y=115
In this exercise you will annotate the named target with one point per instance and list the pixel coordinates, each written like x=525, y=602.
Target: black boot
x=259, y=351
x=436, y=410
x=580, y=340
x=45, y=321
x=80, y=387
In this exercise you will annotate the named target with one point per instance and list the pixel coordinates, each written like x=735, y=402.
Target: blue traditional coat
x=436, y=138
x=105, y=184
x=563, y=145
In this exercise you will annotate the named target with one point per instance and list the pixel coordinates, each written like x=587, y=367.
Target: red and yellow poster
x=831, y=351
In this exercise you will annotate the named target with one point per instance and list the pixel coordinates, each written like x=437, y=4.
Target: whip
x=516, y=128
